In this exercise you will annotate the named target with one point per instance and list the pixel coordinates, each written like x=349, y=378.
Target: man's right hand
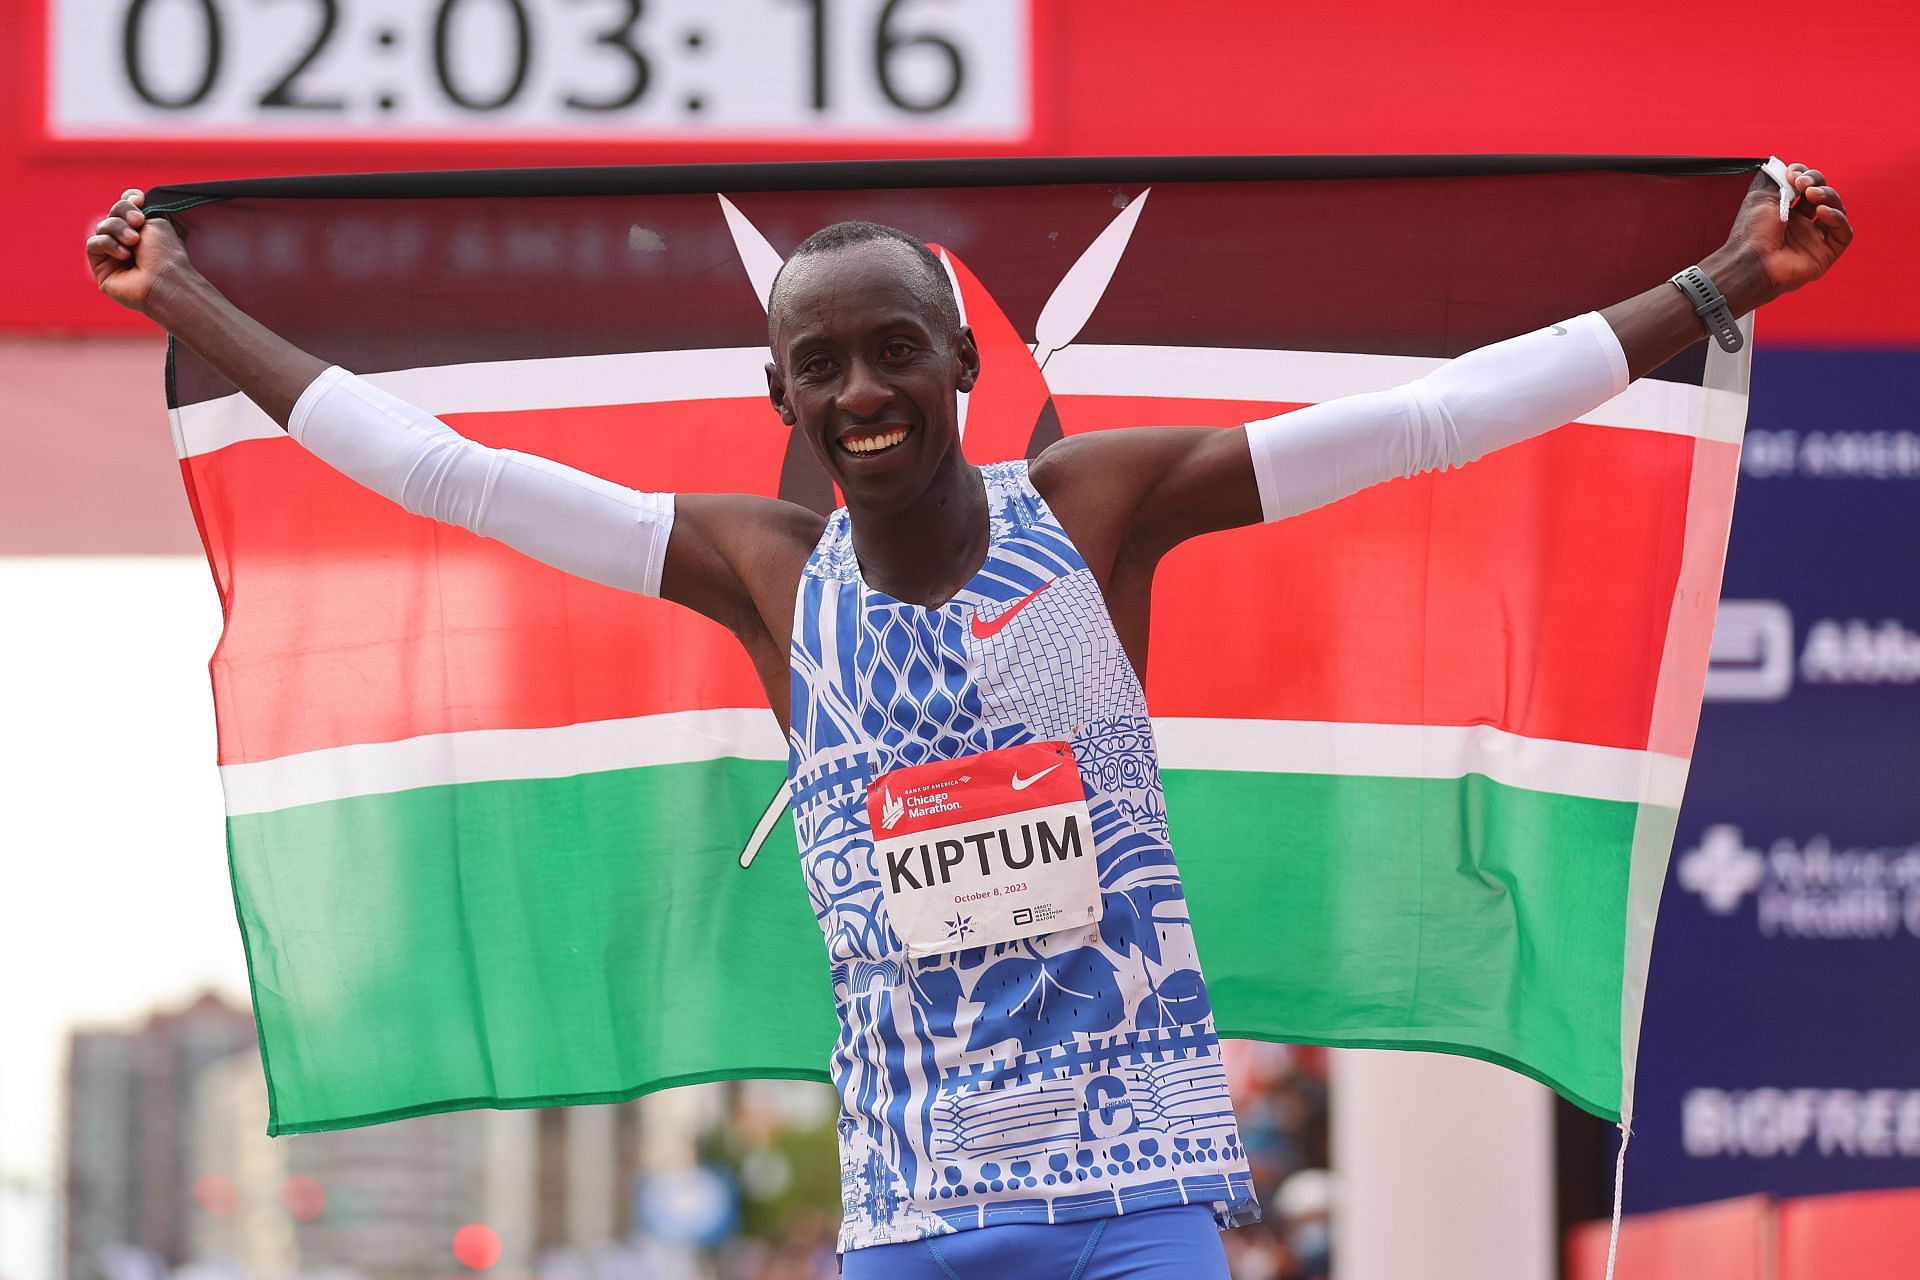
x=128, y=253
x=141, y=263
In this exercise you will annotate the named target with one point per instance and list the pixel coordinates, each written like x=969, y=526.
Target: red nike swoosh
x=987, y=630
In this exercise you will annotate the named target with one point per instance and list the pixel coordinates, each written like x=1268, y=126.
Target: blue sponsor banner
x=1781, y=1045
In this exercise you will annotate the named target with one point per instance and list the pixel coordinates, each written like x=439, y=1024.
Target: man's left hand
x=1799, y=250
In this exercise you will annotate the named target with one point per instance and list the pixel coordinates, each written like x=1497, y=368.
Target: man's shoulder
x=1070, y=458
x=793, y=523
x=1115, y=459
x=1087, y=480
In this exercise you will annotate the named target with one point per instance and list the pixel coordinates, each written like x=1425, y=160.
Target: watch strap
x=1711, y=306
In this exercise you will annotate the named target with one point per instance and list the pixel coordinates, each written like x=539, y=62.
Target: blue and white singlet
x=1069, y=1076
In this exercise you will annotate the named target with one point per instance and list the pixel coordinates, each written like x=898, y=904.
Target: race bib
x=983, y=849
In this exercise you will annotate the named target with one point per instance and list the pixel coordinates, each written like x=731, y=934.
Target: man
x=1029, y=1076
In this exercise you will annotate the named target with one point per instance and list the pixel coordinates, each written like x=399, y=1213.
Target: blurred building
x=99, y=1175
x=168, y=1164
x=385, y=1201
x=132, y=1112
x=239, y=1175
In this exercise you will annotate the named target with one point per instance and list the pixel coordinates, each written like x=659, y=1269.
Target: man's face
x=866, y=364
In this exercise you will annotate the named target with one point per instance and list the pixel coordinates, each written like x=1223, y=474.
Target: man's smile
x=866, y=441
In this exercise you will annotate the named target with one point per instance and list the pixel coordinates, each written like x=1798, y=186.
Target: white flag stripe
x=1263, y=746
x=500, y=755
x=1310, y=377
x=1176, y=373
x=1421, y=751
x=507, y=386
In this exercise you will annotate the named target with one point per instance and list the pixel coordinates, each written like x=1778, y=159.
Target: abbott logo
x=1752, y=655
x=1722, y=870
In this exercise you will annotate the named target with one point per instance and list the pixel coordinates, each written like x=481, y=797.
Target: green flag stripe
x=1450, y=914
x=523, y=943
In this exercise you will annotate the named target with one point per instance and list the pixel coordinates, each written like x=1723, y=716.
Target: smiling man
x=1029, y=1073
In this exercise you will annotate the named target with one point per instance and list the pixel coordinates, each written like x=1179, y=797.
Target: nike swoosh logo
x=1560, y=331
x=983, y=630
x=1021, y=784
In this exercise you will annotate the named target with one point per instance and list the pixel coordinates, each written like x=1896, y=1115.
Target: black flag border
x=702, y=179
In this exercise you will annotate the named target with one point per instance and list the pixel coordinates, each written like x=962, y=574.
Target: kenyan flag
x=500, y=837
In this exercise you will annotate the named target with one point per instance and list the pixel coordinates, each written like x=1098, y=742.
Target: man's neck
x=926, y=552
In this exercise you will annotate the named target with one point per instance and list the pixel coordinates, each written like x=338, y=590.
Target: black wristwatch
x=1711, y=306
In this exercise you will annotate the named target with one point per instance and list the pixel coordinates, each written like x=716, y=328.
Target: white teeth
x=873, y=444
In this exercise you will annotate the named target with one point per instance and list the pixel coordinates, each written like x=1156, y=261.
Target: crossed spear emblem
x=1065, y=314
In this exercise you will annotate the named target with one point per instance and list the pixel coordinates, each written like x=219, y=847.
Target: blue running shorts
x=1181, y=1243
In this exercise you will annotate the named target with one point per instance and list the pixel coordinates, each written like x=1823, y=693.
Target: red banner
x=1123, y=77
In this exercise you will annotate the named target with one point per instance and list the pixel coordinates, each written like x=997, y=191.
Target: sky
x=114, y=896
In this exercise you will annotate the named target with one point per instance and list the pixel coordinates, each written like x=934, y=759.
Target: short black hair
x=842, y=235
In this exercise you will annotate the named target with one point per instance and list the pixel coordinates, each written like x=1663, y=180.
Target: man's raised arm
x=1158, y=487
x=699, y=551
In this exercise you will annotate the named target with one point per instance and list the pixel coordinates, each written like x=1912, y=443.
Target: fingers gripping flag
x=503, y=837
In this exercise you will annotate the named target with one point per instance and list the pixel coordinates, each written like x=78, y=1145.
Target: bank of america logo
x=892, y=809
x=1722, y=869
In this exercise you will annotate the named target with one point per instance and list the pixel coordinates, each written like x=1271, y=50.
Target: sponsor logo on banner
x=1766, y=1124
x=1722, y=870
x=1831, y=455
x=1855, y=651
x=1751, y=659
x=1809, y=891
x=1752, y=656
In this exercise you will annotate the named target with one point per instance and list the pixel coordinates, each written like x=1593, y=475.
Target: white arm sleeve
x=1470, y=406
x=587, y=526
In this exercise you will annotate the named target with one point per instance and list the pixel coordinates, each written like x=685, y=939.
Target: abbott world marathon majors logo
x=1808, y=891
x=1753, y=657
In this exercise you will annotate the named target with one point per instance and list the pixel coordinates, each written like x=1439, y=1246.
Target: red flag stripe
x=1526, y=592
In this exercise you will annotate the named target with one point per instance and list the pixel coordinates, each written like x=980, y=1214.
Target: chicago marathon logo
x=892, y=809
